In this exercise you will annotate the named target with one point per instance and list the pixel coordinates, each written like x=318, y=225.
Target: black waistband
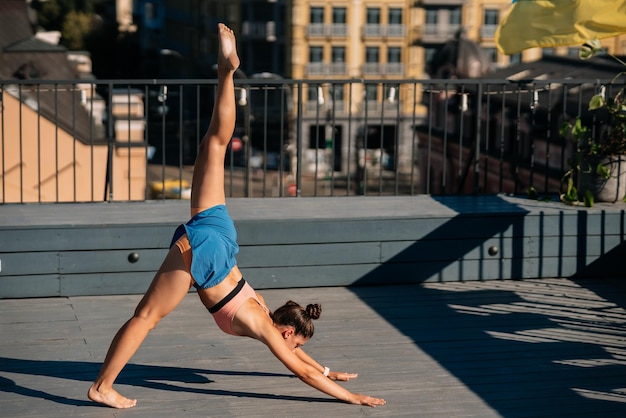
x=219, y=305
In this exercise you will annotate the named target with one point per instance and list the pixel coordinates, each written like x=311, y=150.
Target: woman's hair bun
x=314, y=310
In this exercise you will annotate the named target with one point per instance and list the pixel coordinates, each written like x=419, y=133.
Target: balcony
x=488, y=31
x=438, y=33
x=383, y=31
x=259, y=30
x=335, y=30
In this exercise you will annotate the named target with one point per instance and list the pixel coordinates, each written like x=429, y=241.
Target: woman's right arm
x=311, y=376
x=261, y=328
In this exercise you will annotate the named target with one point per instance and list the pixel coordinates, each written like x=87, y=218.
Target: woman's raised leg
x=170, y=285
x=207, y=189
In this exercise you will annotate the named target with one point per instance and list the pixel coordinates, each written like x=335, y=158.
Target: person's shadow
x=153, y=377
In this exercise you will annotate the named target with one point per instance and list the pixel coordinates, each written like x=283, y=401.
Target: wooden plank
x=92, y=237
x=474, y=249
x=30, y=286
x=110, y=261
x=105, y=283
x=308, y=255
x=29, y=263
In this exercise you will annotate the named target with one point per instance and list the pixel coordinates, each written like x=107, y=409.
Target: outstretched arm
x=343, y=376
x=252, y=321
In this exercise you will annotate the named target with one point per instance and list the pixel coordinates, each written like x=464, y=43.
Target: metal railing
x=89, y=141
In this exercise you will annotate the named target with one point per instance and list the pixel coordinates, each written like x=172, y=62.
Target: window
x=312, y=93
x=429, y=54
x=338, y=54
x=317, y=15
x=394, y=54
x=316, y=54
x=336, y=90
x=572, y=52
x=339, y=15
x=372, y=54
x=515, y=58
x=548, y=51
x=455, y=16
x=373, y=15
x=371, y=92
x=491, y=17
x=431, y=16
x=395, y=16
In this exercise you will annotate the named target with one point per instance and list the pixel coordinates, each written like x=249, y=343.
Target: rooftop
x=528, y=348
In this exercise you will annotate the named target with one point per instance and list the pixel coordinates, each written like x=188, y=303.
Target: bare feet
x=110, y=398
x=227, y=58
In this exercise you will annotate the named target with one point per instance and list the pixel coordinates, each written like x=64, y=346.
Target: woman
x=211, y=238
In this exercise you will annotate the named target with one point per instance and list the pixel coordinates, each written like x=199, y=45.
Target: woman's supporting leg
x=207, y=189
x=169, y=287
x=172, y=281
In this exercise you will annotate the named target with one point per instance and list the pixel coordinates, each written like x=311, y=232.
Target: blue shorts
x=213, y=240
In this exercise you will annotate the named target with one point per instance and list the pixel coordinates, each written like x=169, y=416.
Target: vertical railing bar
x=563, y=139
x=317, y=137
x=39, y=142
x=231, y=151
x=298, y=179
x=349, y=145
x=128, y=154
x=91, y=140
x=21, y=164
x=146, y=137
x=74, y=90
x=548, y=139
x=477, y=130
x=381, y=150
x=163, y=96
x=502, y=131
x=533, y=128
x=445, y=141
x=413, y=139
x=2, y=100
x=331, y=163
x=281, y=140
x=249, y=187
x=56, y=138
x=110, y=132
x=460, y=179
x=396, y=144
x=487, y=139
x=181, y=132
x=430, y=136
x=365, y=140
x=265, y=128
x=518, y=139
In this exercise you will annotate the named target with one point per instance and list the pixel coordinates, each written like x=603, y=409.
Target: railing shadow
x=531, y=348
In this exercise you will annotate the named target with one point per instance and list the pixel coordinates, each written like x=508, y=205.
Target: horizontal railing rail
x=126, y=140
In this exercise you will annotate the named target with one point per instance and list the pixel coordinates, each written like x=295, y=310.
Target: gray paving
x=532, y=348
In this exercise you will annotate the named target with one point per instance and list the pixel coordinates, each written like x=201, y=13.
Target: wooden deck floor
x=532, y=348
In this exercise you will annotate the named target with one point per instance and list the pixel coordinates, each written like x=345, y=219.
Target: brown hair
x=301, y=319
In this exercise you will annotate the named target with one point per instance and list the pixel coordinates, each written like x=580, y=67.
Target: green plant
x=605, y=138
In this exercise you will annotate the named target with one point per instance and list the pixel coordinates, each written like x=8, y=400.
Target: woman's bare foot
x=110, y=398
x=227, y=58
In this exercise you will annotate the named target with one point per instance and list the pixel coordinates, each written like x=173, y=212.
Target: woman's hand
x=342, y=376
x=358, y=399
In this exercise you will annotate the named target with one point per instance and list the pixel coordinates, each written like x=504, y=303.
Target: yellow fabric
x=542, y=23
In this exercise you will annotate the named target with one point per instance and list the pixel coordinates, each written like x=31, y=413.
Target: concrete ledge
x=88, y=249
